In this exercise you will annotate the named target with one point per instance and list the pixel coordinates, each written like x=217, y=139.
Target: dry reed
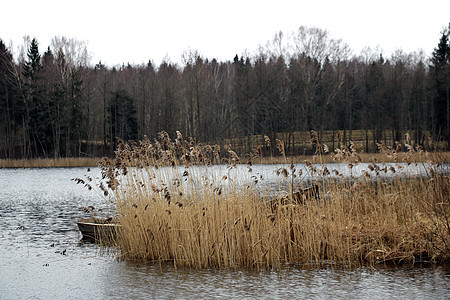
x=49, y=162
x=174, y=208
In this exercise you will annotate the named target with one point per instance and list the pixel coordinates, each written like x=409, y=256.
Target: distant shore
x=50, y=162
x=93, y=161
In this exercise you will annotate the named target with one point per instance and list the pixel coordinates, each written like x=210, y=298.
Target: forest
x=56, y=104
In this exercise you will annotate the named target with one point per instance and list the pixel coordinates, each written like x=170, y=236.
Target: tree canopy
x=57, y=105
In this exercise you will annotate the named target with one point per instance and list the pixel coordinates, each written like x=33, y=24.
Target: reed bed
x=49, y=162
x=175, y=208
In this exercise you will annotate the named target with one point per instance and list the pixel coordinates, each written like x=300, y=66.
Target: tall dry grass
x=49, y=162
x=174, y=208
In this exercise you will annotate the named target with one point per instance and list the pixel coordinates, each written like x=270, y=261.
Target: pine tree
x=8, y=101
x=440, y=74
x=122, y=120
x=32, y=71
x=33, y=65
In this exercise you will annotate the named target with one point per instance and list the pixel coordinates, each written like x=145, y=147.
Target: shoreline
x=73, y=162
x=69, y=162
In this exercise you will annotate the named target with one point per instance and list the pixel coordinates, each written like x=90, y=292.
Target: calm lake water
x=41, y=257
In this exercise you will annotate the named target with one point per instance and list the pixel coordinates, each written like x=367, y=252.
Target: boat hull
x=98, y=229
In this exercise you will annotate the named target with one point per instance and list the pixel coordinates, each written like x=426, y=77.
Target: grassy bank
x=92, y=162
x=180, y=215
x=49, y=162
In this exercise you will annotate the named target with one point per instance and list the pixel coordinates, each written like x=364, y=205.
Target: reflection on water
x=41, y=257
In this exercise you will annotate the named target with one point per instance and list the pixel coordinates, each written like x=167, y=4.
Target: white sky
x=135, y=32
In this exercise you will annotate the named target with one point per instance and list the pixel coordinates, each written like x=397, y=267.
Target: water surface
x=41, y=257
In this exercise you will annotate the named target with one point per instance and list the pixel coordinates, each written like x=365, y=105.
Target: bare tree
x=318, y=61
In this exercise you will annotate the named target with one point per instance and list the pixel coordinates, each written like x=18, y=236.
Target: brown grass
x=92, y=162
x=49, y=162
x=174, y=213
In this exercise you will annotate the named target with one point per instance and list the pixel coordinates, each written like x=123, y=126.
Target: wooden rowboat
x=98, y=229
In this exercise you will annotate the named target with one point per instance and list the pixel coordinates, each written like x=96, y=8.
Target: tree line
x=55, y=104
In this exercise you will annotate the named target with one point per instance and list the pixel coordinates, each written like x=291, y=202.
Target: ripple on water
x=41, y=257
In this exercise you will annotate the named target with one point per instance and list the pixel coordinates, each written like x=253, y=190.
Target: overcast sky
x=135, y=32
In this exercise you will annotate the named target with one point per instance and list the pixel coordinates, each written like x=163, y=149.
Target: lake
x=41, y=257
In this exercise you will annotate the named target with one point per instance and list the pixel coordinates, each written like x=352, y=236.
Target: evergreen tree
x=9, y=96
x=440, y=76
x=50, y=122
x=122, y=119
x=32, y=71
x=33, y=65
